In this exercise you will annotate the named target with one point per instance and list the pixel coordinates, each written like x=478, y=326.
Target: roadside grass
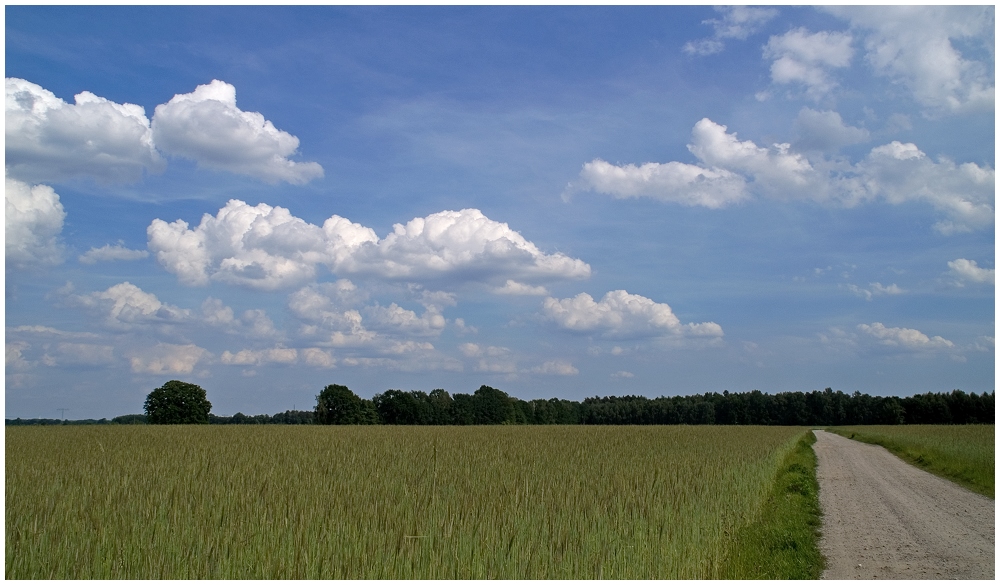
x=783, y=542
x=961, y=453
x=313, y=502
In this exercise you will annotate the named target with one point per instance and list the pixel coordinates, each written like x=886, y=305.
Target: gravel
x=886, y=519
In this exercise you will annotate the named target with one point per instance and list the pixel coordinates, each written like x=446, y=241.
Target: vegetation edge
x=784, y=542
x=927, y=460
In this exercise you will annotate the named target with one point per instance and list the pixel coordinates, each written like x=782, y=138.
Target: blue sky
x=552, y=201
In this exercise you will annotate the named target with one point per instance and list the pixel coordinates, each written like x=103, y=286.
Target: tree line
x=183, y=403
x=338, y=405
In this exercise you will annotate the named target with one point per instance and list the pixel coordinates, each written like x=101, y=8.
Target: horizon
x=597, y=397
x=554, y=201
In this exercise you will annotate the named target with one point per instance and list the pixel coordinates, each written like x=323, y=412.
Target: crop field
x=963, y=453
x=383, y=502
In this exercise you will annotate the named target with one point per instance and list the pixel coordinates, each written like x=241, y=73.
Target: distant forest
x=338, y=405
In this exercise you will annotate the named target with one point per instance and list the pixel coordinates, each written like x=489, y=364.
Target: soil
x=886, y=519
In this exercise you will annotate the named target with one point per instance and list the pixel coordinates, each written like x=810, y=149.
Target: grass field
x=962, y=453
x=272, y=502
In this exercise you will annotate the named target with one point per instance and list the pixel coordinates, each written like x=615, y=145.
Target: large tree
x=337, y=405
x=177, y=403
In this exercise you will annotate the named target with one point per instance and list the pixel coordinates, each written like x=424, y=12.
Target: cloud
x=515, y=288
x=44, y=331
x=126, y=305
x=396, y=318
x=623, y=374
x=49, y=140
x=904, y=338
x=672, y=182
x=721, y=181
x=215, y=312
x=492, y=359
x=85, y=354
x=326, y=310
x=167, y=358
x=14, y=355
x=969, y=271
x=316, y=357
x=207, y=127
x=330, y=318
x=803, y=57
x=108, y=253
x=465, y=243
x=825, y=131
x=33, y=221
x=267, y=248
x=737, y=22
x=775, y=170
x=895, y=172
x=556, y=368
x=260, y=247
x=620, y=314
x=913, y=47
x=476, y=350
x=899, y=173
x=875, y=289
x=251, y=357
x=253, y=322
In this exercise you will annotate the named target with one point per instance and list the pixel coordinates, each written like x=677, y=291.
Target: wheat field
x=378, y=502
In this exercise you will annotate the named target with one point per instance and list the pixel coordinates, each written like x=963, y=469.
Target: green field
x=962, y=453
x=387, y=502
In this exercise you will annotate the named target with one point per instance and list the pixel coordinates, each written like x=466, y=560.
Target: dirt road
x=885, y=519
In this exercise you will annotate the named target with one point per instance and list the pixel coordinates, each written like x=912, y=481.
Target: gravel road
x=886, y=519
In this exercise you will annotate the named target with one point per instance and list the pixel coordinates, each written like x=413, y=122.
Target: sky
x=556, y=202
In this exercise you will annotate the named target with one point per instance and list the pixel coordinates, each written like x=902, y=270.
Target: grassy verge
x=961, y=453
x=783, y=543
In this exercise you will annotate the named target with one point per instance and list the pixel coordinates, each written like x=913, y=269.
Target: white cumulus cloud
x=896, y=172
x=316, y=357
x=267, y=248
x=556, y=368
x=969, y=271
x=875, y=289
x=258, y=357
x=168, y=358
x=914, y=46
x=107, y=253
x=396, y=318
x=675, y=182
x=963, y=193
x=799, y=56
x=14, y=355
x=514, y=288
x=620, y=314
x=905, y=338
x=50, y=140
x=33, y=220
x=737, y=22
x=207, y=127
x=125, y=305
x=465, y=243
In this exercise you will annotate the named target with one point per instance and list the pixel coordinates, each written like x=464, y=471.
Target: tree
x=441, y=411
x=492, y=407
x=177, y=403
x=337, y=405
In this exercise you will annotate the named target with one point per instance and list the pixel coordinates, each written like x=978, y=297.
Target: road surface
x=886, y=519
